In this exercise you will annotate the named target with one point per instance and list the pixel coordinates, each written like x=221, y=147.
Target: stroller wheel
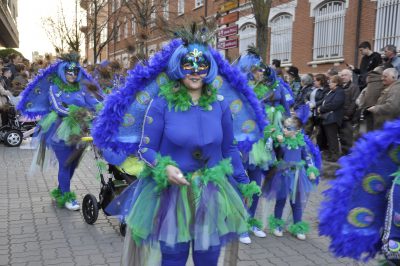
x=122, y=229
x=13, y=138
x=90, y=209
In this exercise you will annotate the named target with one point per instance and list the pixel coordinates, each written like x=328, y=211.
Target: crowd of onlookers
x=345, y=103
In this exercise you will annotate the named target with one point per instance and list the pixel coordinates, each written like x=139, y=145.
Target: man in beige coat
x=388, y=105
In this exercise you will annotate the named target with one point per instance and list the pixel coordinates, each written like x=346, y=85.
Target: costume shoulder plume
x=353, y=211
x=35, y=98
x=248, y=118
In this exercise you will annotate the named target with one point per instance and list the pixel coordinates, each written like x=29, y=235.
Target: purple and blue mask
x=194, y=63
x=72, y=69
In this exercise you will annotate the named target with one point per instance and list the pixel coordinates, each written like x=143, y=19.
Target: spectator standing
x=294, y=79
x=388, y=105
x=20, y=80
x=369, y=61
x=331, y=113
x=369, y=96
x=351, y=92
x=391, y=56
x=317, y=96
x=14, y=59
x=304, y=92
x=5, y=79
x=276, y=64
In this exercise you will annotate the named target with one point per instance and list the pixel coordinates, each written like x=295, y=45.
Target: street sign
x=232, y=17
x=228, y=44
x=228, y=31
x=229, y=5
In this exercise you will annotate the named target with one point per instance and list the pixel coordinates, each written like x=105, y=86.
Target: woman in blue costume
x=184, y=197
x=257, y=156
x=361, y=211
x=272, y=92
x=295, y=177
x=63, y=95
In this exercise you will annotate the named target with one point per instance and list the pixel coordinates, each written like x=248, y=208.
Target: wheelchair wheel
x=122, y=229
x=13, y=138
x=90, y=209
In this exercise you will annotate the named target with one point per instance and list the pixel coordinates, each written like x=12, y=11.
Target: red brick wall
x=303, y=30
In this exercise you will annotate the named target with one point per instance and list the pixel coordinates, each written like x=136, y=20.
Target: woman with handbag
x=331, y=112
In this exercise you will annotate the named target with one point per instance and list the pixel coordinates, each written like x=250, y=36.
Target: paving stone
x=33, y=231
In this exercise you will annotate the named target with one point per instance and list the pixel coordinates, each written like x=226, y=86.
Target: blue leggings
x=178, y=255
x=296, y=209
x=65, y=171
x=255, y=175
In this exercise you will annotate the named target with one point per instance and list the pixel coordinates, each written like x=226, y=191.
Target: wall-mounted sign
x=228, y=44
x=229, y=5
x=232, y=17
x=228, y=31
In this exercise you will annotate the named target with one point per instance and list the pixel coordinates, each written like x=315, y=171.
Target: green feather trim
x=178, y=98
x=259, y=155
x=99, y=107
x=261, y=89
x=47, y=121
x=217, y=173
x=158, y=171
x=60, y=198
x=295, y=142
x=274, y=223
x=72, y=124
x=312, y=169
x=299, y=228
x=272, y=131
x=65, y=87
x=249, y=190
x=253, y=222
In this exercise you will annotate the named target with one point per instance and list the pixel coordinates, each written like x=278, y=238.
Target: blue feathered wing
x=118, y=127
x=35, y=98
x=353, y=211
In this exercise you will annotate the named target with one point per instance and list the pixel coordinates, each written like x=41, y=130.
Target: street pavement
x=33, y=231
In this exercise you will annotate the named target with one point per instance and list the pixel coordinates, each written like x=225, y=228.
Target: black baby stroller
x=116, y=183
x=15, y=128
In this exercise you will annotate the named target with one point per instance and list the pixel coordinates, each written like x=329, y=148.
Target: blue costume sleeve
x=307, y=157
x=91, y=100
x=229, y=149
x=56, y=106
x=283, y=102
x=153, y=126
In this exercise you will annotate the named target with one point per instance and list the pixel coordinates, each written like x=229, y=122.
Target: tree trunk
x=261, y=10
x=262, y=41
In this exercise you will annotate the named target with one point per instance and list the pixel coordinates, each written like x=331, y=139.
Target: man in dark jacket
x=351, y=92
x=369, y=61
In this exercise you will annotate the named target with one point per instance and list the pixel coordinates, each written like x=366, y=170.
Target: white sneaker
x=278, y=232
x=301, y=236
x=258, y=232
x=72, y=205
x=245, y=239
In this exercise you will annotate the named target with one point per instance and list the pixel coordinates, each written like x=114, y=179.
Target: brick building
x=313, y=35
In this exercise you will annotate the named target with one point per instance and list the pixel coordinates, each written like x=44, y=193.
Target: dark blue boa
x=335, y=207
